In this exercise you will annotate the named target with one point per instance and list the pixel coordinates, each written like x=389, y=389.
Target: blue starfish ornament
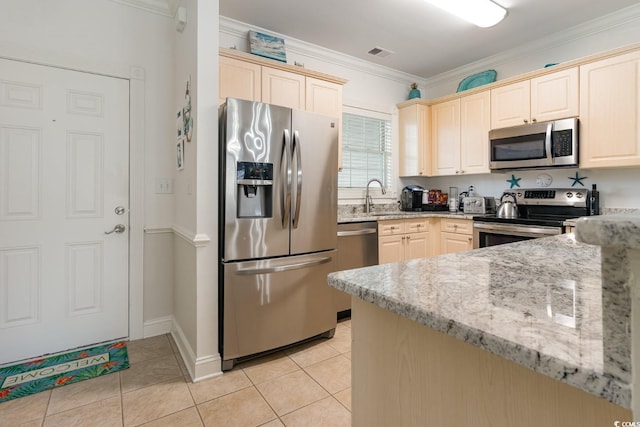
x=514, y=182
x=578, y=179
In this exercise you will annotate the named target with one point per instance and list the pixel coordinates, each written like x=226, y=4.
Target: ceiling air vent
x=380, y=52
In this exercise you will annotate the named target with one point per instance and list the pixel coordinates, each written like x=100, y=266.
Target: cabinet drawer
x=391, y=227
x=416, y=225
x=461, y=226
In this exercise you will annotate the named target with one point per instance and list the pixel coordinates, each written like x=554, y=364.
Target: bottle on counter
x=594, y=201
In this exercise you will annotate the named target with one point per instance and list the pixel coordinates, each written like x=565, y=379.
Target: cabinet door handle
x=534, y=120
x=526, y=121
x=408, y=237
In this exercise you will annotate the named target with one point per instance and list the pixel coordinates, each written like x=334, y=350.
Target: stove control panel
x=552, y=197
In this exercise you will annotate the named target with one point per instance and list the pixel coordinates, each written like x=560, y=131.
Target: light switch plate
x=164, y=186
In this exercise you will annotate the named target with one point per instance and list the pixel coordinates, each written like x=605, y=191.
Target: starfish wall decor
x=514, y=182
x=578, y=179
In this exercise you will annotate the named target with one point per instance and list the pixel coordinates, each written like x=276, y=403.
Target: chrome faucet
x=367, y=198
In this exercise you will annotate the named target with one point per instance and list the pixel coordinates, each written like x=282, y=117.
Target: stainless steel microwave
x=536, y=145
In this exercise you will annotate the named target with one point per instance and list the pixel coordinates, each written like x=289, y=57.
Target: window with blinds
x=366, y=151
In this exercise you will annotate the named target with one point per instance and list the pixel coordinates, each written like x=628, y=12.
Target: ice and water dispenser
x=254, y=190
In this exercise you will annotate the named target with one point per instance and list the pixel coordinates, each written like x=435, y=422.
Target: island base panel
x=407, y=374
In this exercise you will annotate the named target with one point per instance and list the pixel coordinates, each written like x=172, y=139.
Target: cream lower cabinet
x=401, y=240
x=456, y=235
x=610, y=112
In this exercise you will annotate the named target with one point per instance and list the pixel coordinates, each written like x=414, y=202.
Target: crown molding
x=581, y=31
x=240, y=29
x=160, y=7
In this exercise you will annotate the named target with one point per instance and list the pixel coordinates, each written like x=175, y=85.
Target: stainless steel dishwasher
x=357, y=247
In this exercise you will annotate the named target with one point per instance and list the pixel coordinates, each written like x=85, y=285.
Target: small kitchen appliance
x=508, y=208
x=411, y=198
x=536, y=145
x=540, y=213
x=479, y=205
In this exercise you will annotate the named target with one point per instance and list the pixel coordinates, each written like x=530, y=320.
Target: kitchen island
x=522, y=334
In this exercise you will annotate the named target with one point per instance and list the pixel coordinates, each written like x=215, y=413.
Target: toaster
x=479, y=205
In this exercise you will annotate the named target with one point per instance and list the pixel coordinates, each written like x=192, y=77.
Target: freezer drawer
x=275, y=302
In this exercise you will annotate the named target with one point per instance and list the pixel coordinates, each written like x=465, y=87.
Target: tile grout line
x=121, y=396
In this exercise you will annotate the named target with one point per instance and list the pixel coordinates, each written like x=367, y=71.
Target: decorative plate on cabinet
x=476, y=80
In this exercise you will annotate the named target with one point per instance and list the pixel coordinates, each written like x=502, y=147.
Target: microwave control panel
x=562, y=143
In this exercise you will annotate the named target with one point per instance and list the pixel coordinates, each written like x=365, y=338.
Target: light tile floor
x=306, y=385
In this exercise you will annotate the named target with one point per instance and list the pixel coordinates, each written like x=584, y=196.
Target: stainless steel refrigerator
x=278, y=226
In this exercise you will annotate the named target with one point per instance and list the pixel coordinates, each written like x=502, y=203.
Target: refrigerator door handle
x=281, y=268
x=297, y=151
x=285, y=203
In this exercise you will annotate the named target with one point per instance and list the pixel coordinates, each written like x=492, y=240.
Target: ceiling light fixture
x=483, y=13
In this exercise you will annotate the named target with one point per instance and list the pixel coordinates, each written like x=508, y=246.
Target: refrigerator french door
x=278, y=222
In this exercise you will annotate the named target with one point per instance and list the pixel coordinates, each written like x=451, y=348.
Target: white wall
x=106, y=37
x=381, y=89
x=617, y=187
x=195, y=293
x=369, y=86
x=605, y=33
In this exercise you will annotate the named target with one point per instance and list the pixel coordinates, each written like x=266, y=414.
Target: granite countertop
x=518, y=301
x=385, y=215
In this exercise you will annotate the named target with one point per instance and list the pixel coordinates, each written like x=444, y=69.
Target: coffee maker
x=411, y=198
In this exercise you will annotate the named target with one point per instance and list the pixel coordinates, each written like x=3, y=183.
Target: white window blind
x=366, y=151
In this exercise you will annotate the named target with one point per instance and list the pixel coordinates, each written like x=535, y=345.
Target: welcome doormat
x=46, y=373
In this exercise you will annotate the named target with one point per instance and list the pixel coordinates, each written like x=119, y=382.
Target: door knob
x=117, y=229
x=120, y=210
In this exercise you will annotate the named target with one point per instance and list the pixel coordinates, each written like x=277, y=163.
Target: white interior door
x=64, y=182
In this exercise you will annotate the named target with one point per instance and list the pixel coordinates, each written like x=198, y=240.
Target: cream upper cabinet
x=460, y=129
x=510, y=105
x=548, y=97
x=246, y=76
x=414, y=140
x=445, y=137
x=325, y=98
x=555, y=96
x=475, y=123
x=239, y=79
x=610, y=112
x=283, y=88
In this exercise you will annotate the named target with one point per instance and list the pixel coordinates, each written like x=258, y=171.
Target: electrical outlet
x=164, y=186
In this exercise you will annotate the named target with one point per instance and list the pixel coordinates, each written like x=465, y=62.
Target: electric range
x=542, y=213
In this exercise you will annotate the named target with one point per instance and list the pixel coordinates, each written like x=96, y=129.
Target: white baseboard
x=199, y=368
x=158, y=326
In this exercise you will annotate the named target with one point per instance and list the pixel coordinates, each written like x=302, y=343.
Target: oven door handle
x=518, y=230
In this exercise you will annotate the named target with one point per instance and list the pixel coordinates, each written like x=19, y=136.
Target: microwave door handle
x=296, y=149
x=285, y=203
x=547, y=143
